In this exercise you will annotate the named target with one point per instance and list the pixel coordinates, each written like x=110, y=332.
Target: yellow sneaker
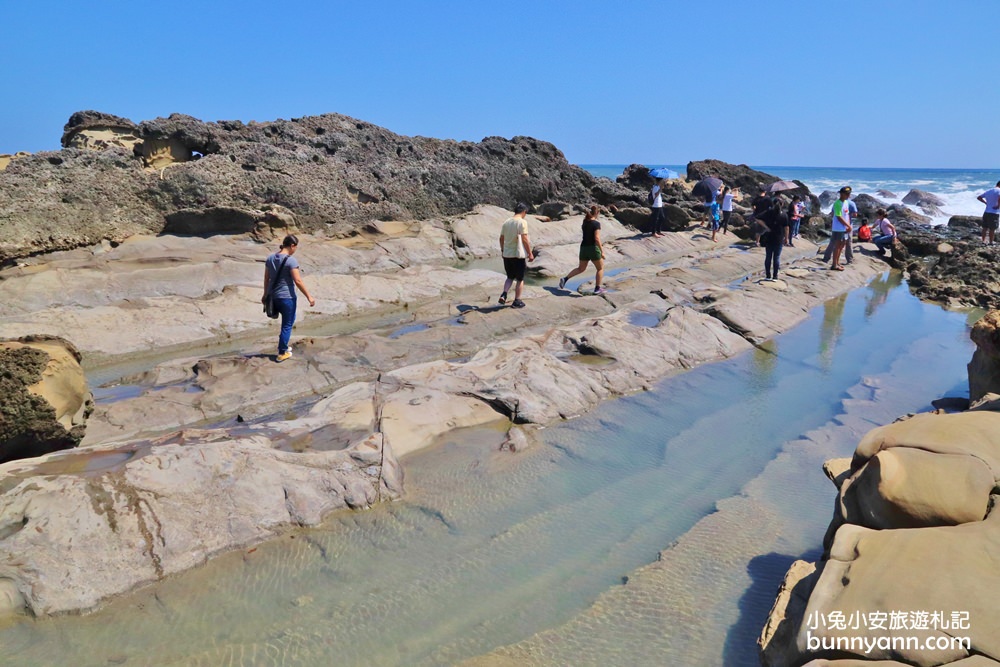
x=282, y=357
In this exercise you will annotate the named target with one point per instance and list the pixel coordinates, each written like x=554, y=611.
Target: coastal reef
x=114, y=178
x=914, y=534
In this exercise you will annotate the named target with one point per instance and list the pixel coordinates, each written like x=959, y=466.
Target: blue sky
x=777, y=82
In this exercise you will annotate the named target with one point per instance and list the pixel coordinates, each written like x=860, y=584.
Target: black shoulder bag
x=269, y=306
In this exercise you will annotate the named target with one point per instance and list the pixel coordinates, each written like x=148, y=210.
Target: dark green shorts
x=590, y=252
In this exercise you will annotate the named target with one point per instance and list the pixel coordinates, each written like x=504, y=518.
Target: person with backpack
x=773, y=239
x=281, y=277
x=655, y=201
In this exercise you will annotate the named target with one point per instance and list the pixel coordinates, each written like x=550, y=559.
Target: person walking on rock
x=841, y=227
x=591, y=250
x=281, y=271
x=773, y=239
x=515, y=247
x=656, y=205
x=991, y=217
x=886, y=230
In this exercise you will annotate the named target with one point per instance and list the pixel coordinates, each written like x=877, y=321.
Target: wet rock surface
x=401, y=348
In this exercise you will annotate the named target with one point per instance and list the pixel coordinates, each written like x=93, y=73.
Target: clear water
x=957, y=187
x=490, y=547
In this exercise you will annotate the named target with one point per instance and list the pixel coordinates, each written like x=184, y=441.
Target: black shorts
x=515, y=267
x=991, y=220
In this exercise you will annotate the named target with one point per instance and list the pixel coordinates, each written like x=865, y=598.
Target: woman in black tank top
x=591, y=250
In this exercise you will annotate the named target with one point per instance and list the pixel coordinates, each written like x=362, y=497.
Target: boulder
x=46, y=401
x=921, y=198
x=886, y=194
x=741, y=176
x=965, y=222
x=984, y=368
x=911, y=488
x=93, y=130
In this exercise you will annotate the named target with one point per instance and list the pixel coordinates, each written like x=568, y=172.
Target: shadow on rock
x=766, y=574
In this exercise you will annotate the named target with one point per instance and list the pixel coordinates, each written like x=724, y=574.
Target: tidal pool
x=717, y=468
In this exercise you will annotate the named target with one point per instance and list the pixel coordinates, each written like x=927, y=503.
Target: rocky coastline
x=139, y=246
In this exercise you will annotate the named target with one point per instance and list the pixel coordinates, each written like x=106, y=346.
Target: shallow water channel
x=492, y=547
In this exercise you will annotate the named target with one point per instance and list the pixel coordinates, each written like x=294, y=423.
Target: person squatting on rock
x=852, y=212
x=591, y=250
x=516, y=250
x=991, y=217
x=656, y=206
x=886, y=230
x=773, y=239
x=282, y=269
x=841, y=227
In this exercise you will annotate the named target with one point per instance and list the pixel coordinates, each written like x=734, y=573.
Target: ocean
x=958, y=188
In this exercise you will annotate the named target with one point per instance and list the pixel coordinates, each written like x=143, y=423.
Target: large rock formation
x=984, y=368
x=45, y=399
x=115, y=178
x=914, y=533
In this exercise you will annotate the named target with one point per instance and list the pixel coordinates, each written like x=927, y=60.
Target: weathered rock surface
x=984, y=368
x=115, y=178
x=448, y=357
x=79, y=527
x=45, y=398
x=914, y=532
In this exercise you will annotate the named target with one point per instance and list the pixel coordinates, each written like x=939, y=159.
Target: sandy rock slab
x=79, y=527
x=44, y=394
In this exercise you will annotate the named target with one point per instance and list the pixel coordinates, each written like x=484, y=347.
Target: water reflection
x=764, y=360
x=879, y=290
x=831, y=330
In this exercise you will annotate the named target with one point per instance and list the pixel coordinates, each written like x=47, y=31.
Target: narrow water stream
x=491, y=547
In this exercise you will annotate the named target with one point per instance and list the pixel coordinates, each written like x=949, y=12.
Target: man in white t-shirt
x=991, y=217
x=516, y=251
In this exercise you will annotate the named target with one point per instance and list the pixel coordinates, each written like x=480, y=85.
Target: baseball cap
x=846, y=188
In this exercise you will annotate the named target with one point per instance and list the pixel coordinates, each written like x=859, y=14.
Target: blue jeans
x=883, y=241
x=796, y=223
x=287, y=309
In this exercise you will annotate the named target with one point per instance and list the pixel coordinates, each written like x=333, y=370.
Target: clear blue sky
x=780, y=82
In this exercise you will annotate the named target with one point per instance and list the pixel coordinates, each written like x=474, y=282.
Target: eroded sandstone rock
x=79, y=527
x=45, y=398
